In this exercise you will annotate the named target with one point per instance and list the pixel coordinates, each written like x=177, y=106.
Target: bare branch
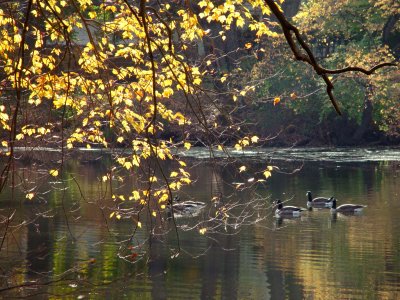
x=308, y=57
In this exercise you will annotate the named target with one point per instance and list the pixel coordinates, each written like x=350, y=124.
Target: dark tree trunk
x=389, y=36
x=367, y=117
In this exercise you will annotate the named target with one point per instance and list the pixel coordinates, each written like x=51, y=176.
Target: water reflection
x=69, y=237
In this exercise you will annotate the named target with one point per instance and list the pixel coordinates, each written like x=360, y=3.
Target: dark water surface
x=73, y=250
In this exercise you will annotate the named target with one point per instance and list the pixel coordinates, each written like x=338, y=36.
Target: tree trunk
x=367, y=118
x=389, y=37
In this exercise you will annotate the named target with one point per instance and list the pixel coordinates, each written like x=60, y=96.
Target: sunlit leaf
x=203, y=230
x=267, y=173
x=53, y=173
x=254, y=139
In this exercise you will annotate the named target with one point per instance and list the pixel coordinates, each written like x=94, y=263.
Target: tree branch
x=308, y=57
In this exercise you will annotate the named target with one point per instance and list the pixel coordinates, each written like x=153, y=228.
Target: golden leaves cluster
x=109, y=67
x=239, y=13
x=111, y=73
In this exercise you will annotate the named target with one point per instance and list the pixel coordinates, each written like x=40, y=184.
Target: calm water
x=71, y=248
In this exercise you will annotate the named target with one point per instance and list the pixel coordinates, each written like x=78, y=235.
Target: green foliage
x=342, y=33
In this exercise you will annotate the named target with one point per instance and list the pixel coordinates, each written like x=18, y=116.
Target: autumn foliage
x=112, y=74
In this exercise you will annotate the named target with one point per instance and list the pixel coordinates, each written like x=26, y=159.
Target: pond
x=68, y=246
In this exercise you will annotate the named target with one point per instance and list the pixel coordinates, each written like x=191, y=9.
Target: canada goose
x=186, y=208
x=346, y=208
x=319, y=202
x=287, y=211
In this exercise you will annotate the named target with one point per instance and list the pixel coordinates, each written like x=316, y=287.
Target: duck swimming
x=187, y=208
x=319, y=202
x=287, y=211
x=347, y=208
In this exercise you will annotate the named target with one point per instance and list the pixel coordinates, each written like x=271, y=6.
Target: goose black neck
x=334, y=203
x=309, y=196
x=280, y=205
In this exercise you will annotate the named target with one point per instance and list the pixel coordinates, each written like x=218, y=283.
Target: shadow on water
x=315, y=256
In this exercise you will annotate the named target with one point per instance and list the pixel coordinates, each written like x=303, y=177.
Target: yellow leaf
x=223, y=78
x=112, y=214
x=105, y=178
x=248, y=45
x=293, y=95
x=136, y=160
x=267, y=173
x=203, y=230
x=187, y=145
x=242, y=169
x=128, y=165
x=53, y=173
x=139, y=224
x=277, y=100
x=154, y=214
x=4, y=143
x=153, y=179
x=30, y=196
x=234, y=98
x=182, y=163
x=136, y=195
x=240, y=22
x=220, y=148
x=185, y=180
x=174, y=174
x=254, y=139
x=92, y=14
x=17, y=38
x=238, y=185
x=118, y=216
